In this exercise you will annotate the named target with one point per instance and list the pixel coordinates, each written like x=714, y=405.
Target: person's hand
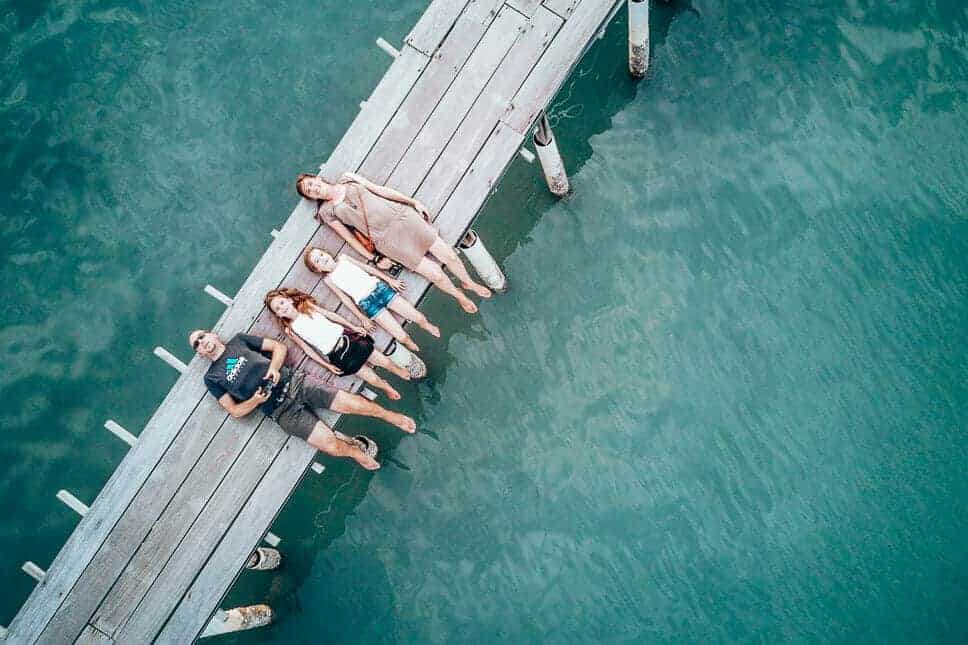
x=335, y=370
x=273, y=375
x=367, y=325
x=261, y=395
x=420, y=208
x=398, y=285
x=359, y=330
x=384, y=264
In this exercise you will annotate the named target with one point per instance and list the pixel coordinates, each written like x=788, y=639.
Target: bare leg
x=446, y=254
x=322, y=438
x=380, y=359
x=432, y=271
x=369, y=376
x=400, y=306
x=386, y=320
x=346, y=403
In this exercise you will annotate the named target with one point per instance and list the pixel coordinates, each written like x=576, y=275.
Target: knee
x=322, y=438
x=346, y=403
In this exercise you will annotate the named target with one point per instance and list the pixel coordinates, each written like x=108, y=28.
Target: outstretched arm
x=365, y=322
x=335, y=317
x=396, y=285
x=312, y=353
x=383, y=191
x=240, y=409
x=350, y=239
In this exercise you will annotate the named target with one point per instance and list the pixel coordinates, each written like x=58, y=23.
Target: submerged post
x=115, y=428
x=73, y=503
x=480, y=258
x=237, y=620
x=638, y=37
x=406, y=359
x=550, y=157
x=33, y=571
x=170, y=358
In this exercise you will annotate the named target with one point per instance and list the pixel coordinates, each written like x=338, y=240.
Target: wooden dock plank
x=525, y=7
x=384, y=101
x=434, y=25
x=557, y=63
x=167, y=531
x=478, y=182
x=129, y=532
x=563, y=8
x=280, y=480
x=91, y=636
x=460, y=96
x=145, y=618
x=428, y=90
x=450, y=166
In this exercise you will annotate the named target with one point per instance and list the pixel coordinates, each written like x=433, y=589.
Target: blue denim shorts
x=378, y=300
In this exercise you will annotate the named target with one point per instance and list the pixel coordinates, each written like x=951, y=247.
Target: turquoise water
x=724, y=399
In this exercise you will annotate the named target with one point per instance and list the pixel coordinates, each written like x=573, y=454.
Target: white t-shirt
x=356, y=282
x=318, y=331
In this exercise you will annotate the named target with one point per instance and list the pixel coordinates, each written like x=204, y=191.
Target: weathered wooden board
x=428, y=90
x=389, y=93
x=557, y=62
x=278, y=483
x=119, y=545
x=563, y=8
x=526, y=7
x=91, y=636
x=489, y=107
x=460, y=96
x=145, y=619
x=434, y=25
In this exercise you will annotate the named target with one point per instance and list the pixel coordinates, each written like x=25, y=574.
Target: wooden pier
x=155, y=553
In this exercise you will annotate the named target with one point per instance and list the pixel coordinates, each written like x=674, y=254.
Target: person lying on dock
x=369, y=293
x=390, y=224
x=242, y=378
x=331, y=340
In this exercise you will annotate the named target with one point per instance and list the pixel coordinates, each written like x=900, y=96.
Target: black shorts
x=351, y=352
x=298, y=413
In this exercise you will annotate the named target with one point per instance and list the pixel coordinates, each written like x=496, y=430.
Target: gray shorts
x=297, y=414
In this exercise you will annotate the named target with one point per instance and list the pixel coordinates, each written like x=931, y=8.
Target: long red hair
x=303, y=302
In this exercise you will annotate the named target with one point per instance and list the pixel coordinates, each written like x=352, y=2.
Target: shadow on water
x=505, y=224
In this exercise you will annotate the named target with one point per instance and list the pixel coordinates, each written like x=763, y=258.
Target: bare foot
x=479, y=289
x=433, y=330
x=368, y=462
x=392, y=394
x=412, y=346
x=468, y=305
x=403, y=422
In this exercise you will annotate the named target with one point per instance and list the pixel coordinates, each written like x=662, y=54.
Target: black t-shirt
x=240, y=370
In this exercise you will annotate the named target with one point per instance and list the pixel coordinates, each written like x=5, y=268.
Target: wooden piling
x=550, y=157
x=638, y=37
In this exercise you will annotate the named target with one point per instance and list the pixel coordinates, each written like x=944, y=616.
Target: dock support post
x=638, y=37
x=170, y=358
x=73, y=503
x=406, y=359
x=237, y=620
x=388, y=48
x=33, y=571
x=115, y=428
x=482, y=261
x=218, y=295
x=550, y=157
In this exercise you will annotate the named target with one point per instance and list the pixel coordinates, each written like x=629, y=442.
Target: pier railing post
x=482, y=261
x=550, y=157
x=638, y=37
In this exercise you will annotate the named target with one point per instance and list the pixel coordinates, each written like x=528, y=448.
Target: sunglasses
x=198, y=340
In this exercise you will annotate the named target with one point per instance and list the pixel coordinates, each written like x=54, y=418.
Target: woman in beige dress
x=395, y=224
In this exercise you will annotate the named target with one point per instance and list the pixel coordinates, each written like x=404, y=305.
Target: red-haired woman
x=330, y=340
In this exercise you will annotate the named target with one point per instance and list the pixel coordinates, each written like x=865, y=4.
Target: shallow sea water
x=724, y=399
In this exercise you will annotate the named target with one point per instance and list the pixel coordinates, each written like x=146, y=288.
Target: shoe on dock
x=264, y=559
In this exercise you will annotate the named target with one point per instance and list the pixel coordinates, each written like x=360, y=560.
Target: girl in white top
x=369, y=293
x=331, y=340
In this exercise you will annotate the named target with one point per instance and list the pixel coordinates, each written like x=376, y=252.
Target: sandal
x=264, y=559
